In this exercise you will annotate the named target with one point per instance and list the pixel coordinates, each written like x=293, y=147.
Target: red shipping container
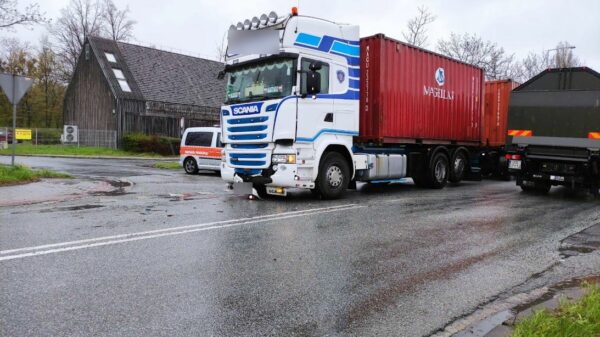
x=408, y=95
x=495, y=112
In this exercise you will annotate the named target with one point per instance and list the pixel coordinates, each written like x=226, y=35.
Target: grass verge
x=168, y=165
x=72, y=150
x=17, y=174
x=573, y=319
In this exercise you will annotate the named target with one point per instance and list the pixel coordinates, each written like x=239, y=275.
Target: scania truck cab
x=291, y=106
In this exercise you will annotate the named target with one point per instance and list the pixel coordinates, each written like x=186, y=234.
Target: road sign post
x=14, y=87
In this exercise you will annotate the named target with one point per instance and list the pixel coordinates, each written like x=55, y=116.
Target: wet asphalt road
x=177, y=255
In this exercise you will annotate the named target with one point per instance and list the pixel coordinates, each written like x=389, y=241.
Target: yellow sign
x=23, y=134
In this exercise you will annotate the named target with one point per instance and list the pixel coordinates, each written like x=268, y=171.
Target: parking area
x=170, y=254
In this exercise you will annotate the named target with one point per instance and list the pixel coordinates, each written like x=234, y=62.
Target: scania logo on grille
x=246, y=109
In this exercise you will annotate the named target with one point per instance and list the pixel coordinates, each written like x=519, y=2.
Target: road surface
x=168, y=254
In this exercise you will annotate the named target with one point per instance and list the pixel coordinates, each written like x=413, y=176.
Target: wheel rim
x=189, y=166
x=334, y=176
x=440, y=171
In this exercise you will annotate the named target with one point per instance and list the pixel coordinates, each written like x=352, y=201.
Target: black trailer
x=554, y=130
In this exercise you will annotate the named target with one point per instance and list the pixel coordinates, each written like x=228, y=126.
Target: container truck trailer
x=554, y=130
x=494, y=128
x=311, y=105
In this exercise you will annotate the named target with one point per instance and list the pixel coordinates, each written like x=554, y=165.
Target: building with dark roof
x=129, y=88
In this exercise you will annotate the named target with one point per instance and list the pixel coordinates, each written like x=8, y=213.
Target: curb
x=94, y=157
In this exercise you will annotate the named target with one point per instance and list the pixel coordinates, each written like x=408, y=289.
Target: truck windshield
x=268, y=80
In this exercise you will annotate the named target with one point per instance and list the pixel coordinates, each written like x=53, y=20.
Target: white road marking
x=122, y=238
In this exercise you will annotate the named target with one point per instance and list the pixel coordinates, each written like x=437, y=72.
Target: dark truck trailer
x=554, y=130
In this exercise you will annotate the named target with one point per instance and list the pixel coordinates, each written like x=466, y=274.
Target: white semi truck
x=291, y=113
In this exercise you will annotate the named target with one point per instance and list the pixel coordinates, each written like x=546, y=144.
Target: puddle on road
x=70, y=208
x=584, y=242
x=188, y=196
x=120, y=189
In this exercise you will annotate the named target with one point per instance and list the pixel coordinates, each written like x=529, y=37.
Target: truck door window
x=199, y=139
x=324, y=71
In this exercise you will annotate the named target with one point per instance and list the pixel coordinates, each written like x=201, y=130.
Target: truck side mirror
x=313, y=82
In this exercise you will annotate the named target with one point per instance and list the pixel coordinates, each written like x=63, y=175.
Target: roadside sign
x=23, y=134
x=15, y=86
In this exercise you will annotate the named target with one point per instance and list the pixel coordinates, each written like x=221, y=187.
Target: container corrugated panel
x=495, y=112
x=410, y=94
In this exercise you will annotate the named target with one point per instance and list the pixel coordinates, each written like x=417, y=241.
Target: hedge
x=139, y=142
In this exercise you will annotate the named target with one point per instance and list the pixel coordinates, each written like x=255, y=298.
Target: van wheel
x=459, y=166
x=437, y=175
x=334, y=176
x=190, y=166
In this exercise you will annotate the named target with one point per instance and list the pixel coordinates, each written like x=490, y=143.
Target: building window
x=124, y=86
x=119, y=74
x=110, y=57
x=122, y=81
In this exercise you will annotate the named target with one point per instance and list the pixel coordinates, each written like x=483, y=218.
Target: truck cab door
x=315, y=113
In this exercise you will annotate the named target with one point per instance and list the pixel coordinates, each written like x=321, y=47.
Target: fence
x=44, y=136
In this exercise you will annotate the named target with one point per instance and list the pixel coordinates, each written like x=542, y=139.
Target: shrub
x=139, y=142
x=47, y=136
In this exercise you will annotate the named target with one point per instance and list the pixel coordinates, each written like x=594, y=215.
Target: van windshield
x=262, y=81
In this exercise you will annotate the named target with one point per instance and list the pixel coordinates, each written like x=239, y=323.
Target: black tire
x=537, y=187
x=438, y=171
x=458, y=167
x=190, y=166
x=334, y=176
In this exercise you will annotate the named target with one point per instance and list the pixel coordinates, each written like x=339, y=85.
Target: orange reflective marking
x=520, y=133
x=594, y=135
x=200, y=151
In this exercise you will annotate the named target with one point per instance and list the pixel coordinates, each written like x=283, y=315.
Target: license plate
x=242, y=188
x=276, y=191
x=514, y=164
x=557, y=178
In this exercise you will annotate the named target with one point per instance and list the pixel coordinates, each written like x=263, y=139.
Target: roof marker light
x=272, y=17
x=239, y=26
x=294, y=11
x=255, y=22
x=247, y=24
x=264, y=19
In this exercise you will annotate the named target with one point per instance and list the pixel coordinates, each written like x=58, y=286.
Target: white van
x=201, y=149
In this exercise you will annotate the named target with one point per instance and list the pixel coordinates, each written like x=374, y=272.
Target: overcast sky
x=196, y=26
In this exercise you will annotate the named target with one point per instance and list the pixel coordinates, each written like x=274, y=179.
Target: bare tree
x=80, y=19
x=10, y=16
x=117, y=24
x=221, y=48
x=416, y=33
x=474, y=50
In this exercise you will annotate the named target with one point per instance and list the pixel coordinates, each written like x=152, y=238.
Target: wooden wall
x=89, y=103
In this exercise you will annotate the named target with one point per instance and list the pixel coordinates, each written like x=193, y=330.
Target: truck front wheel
x=334, y=176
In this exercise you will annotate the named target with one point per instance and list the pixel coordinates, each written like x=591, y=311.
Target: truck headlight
x=283, y=159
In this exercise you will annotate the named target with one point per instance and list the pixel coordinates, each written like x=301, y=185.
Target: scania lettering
x=311, y=105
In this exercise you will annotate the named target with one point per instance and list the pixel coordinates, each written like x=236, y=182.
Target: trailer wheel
x=459, y=166
x=437, y=175
x=334, y=176
x=190, y=166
